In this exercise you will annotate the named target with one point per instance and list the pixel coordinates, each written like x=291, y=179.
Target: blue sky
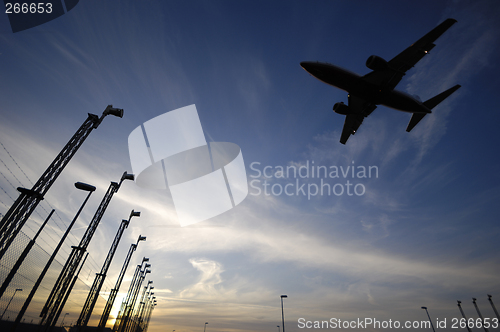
x=425, y=232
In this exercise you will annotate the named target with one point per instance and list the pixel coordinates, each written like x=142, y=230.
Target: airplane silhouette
x=377, y=87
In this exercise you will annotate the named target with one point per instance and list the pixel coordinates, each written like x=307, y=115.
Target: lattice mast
x=19, y=212
x=99, y=278
x=27, y=302
x=51, y=310
x=130, y=307
x=135, y=320
x=114, y=291
x=129, y=293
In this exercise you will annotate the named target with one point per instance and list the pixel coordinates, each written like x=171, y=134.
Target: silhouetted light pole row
x=99, y=278
x=53, y=306
x=459, y=304
x=19, y=212
x=125, y=325
x=143, y=304
x=23, y=255
x=114, y=291
x=129, y=302
x=151, y=307
x=79, y=185
x=138, y=312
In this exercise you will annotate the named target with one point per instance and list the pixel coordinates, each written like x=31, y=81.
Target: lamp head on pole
x=425, y=308
x=474, y=300
x=145, y=259
x=135, y=214
x=84, y=186
x=110, y=110
x=284, y=296
x=127, y=176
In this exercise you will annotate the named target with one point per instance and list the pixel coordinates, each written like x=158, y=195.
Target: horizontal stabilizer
x=433, y=102
x=430, y=104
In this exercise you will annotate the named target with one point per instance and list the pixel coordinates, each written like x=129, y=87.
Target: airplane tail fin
x=430, y=104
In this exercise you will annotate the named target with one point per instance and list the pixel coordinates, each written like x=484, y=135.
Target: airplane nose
x=307, y=66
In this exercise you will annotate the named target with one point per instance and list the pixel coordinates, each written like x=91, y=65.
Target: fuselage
x=357, y=86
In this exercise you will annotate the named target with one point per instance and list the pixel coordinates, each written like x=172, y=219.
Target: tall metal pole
x=130, y=307
x=51, y=309
x=114, y=291
x=282, y=312
x=62, y=323
x=138, y=311
x=479, y=313
x=3, y=313
x=99, y=278
x=71, y=287
x=129, y=295
x=149, y=316
x=147, y=306
x=142, y=305
x=463, y=315
x=19, y=212
x=425, y=308
x=21, y=258
x=81, y=186
x=493, y=306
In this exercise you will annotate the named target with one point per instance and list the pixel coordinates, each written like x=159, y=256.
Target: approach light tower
x=463, y=314
x=493, y=306
x=134, y=322
x=82, y=186
x=53, y=307
x=142, y=304
x=127, y=316
x=99, y=278
x=153, y=305
x=114, y=291
x=28, y=200
x=129, y=293
x=129, y=302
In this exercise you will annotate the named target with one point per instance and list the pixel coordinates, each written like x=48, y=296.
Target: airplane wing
x=389, y=77
x=360, y=110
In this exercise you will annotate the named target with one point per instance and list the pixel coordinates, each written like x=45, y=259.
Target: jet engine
x=376, y=63
x=341, y=108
